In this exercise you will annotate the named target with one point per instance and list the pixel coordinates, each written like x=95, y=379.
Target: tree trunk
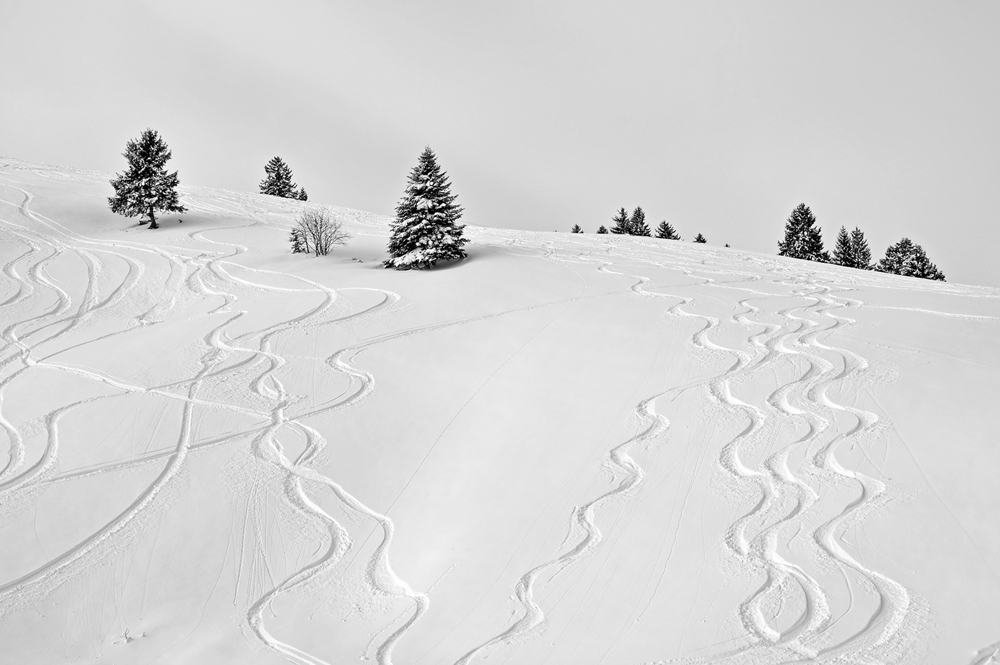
x=152, y=219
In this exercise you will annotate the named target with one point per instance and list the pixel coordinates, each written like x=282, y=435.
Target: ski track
x=780, y=540
x=192, y=276
x=787, y=497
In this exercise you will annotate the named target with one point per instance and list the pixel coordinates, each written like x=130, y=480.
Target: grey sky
x=717, y=116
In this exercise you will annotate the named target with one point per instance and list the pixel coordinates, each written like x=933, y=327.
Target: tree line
x=634, y=224
x=804, y=240
x=426, y=229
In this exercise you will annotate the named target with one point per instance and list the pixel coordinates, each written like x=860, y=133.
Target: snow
x=566, y=448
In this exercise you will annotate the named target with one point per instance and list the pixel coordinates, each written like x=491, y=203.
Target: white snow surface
x=566, y=449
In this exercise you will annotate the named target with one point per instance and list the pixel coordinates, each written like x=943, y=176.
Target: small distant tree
x=298, y=240
x=637, y=223
x=700, y=238
x=666, y=231
x=302, y=194
x=602, y=229
x=860, y=253
x=842, y=254
x=803, y=239
x=621, y=222
x=278, y=181
x=318, y=231
x=908, y=259
x=576, y=229
x=425, y=229
x=145, y=186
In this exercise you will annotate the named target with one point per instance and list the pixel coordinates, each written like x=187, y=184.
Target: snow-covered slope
x=565, y=449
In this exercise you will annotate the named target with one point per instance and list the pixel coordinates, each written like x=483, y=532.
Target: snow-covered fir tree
x=278, y=181
x=302, y=194
x=861, y=255
x=145, y=186
x=852, y=250
x=576, y=229
x=803, y=239
x=425, y=229
x=842, y=254
x=700, y=238
x=621, y=222
x=602, y=229
x=637, y=223
x=908, y=259
x=666, y=232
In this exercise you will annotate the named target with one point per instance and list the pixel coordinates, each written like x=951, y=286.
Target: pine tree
x=302, y=194
x=602, y=229
x=298, y=240
x=842, y=253
x=278, y=181
x=896, y=257
x=666, y=231
x=637, y=223
x=803, y=239
x=621, y=221
x=700, y=238
x=861, y=255
x=576, y=229
x=425, y=231
x=921, y=266
x=908, y=259
x=145, y=186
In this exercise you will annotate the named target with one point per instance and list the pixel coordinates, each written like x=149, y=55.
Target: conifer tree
x=700, y=238
x=861, y=255
x=425, y=229
x=803, y=239
x=576, y=229
x=908, y=259
x=637, y=223
x=896, y=257
x=602, y=229
x=621, y=221
x=278, y=181
x=842, y=254
x=852, y=250
x=921, y=266
x=666, y=231
x=298, y=240
x=145, y=186
x=302, y=194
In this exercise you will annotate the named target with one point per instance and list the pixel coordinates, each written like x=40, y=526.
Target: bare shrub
x=318, y=232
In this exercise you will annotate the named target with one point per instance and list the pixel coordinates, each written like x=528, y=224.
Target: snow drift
x=564, y=449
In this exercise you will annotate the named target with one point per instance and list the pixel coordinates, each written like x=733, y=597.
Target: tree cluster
x=633, y=225
x=852, y=250
x=804, y=240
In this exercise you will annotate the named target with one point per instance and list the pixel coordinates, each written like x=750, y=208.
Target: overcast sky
x=719, y=117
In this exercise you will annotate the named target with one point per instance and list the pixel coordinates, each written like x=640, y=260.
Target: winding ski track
x=782, y=457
